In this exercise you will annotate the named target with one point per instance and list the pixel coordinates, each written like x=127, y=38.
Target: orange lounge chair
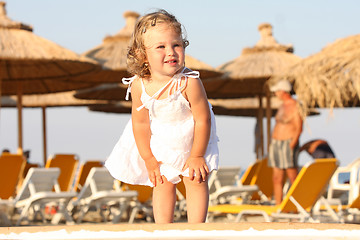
x=84, y=172
x=99, y=191
x=225, y=186
x=143, y=203
x=250, y=172
x=306, y=190
x=67, y=164
x=11, y=172
x=36, y=191
x=263, y=179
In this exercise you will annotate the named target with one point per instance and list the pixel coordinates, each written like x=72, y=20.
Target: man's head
x=282, y=85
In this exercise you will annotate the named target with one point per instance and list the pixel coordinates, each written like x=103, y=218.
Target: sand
x=243, y=230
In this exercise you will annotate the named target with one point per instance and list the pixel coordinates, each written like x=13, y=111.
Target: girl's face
x=164, y=50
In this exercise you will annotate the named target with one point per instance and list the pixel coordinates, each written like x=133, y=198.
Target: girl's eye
x=161, y=46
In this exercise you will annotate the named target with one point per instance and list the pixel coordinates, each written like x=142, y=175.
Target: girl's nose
x=170, y=52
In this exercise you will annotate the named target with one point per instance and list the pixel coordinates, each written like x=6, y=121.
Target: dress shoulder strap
x=176, y=79
x=128, y=81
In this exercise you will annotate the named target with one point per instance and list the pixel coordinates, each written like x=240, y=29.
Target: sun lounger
x=263, y=180
x=143, y=203
x=83, y=172
x=6, y=209
x=67, y=164
x=225, y=186
x=352, y=211
x=99, y=191
x=37, y=190
x=250, y=172
x=11, y=171
x=338, y=211
x=349, y=191
x=307, y=188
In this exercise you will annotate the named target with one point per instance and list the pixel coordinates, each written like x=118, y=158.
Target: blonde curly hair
x=136, y=56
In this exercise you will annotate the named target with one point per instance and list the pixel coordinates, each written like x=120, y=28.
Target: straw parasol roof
x=40, y=65
x=108, y=91
x=329, y=78
x=117, y=91
x=61, y=99
x=229, y=107
x=243, y=107
x=116, y=107
x=246, y=75
x=112, y=53
x=30, y=64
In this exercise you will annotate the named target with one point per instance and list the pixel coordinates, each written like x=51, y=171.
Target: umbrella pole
x=260, y=120
x=19, y=107
x=0, y=94
x=268, y=118
x=44, y=132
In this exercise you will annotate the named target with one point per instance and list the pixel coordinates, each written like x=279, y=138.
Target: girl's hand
x=153, y=168
x=198, y=170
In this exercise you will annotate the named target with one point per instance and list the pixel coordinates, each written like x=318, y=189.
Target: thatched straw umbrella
x=246, y=75
x=329, y=78
x=43, y=101
x=30, y=64
x=117, y=91
x=112, y=53
x=245, y=107
x=113, y=50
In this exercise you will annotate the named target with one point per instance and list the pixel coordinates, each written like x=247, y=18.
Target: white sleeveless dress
x=172, y=130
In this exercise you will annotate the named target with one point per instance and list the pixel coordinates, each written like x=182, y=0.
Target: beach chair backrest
x=11, y=171
x=99, y=179
x=67, y=164
x=39, y=180
x=250, y=172
x=355, y=203
x=263, y=179
x=144, y=192
x=310, y=183
x=224, y=176
x=181, y=189
x=84, y=172
x=28, y=166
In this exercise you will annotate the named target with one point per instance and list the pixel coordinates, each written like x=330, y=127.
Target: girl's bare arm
x=196, y=95
x=142, y=134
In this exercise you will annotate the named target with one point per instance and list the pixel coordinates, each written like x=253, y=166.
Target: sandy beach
x=244, y=230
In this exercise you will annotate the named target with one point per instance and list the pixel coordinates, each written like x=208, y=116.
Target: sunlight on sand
x=251, y=234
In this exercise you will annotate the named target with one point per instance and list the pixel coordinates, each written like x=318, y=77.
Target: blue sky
x=217, y=31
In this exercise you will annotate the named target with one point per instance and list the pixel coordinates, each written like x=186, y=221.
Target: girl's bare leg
x=197, y=200
x=164, y=197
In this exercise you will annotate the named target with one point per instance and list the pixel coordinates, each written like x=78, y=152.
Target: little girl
x=172, y=130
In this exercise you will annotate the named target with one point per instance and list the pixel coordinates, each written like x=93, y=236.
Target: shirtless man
x=284, y=148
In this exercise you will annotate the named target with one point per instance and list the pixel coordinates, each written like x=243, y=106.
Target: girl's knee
x=194, y=183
